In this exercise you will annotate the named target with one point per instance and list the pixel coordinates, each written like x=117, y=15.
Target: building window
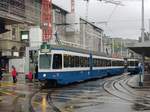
x=13, y=33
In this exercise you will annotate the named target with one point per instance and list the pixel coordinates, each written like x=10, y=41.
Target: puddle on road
x=141, y=105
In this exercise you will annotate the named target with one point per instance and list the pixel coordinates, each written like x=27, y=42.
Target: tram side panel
x=133, y=66
x=65, y=68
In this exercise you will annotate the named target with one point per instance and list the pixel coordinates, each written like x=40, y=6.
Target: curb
x=130, y=84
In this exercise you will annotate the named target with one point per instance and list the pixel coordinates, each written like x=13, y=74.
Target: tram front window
x=45, y=61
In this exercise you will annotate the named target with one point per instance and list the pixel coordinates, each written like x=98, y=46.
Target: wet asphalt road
x=111, y=94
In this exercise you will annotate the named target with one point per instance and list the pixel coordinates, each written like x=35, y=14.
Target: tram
x=132, y=67
x=65, y=65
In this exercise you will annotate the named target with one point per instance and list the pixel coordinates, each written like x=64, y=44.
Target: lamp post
x=142, y=36
x=142, y=26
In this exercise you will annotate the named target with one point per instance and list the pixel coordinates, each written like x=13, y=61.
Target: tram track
x=31, y=107
x=127, y=90
x=50, y=107
x=115, y=86
x=50, y=102
x=117, y=89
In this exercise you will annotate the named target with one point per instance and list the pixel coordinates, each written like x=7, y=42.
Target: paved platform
x=134, y=81
x=8, y=78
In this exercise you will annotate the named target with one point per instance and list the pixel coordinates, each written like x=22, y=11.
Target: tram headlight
x=44, y=75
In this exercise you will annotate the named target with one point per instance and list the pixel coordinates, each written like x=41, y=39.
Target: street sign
x=45, y=48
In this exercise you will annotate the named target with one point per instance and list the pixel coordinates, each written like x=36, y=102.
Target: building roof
x=58, y=7
x=96, y=27
x=141, y=48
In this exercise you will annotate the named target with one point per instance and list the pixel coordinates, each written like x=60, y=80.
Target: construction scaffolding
x=46, y=20
x=28, y=10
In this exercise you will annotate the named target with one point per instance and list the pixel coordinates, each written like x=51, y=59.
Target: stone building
x=75, y=31
x=15, y=18
x=117, y=47
x=19, y=15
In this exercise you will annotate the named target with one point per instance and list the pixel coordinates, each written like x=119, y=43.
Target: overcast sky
x=122, y=21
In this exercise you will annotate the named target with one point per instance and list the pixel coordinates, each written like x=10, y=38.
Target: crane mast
x=46, y=20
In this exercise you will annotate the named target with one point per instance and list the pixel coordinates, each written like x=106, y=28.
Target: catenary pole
x=142, y=38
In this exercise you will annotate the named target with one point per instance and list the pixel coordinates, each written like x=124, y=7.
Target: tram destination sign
x=45, y=48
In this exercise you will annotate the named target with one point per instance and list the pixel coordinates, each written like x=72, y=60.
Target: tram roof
x=79, y=50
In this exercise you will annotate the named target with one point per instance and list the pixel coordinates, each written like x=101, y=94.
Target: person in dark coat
x=1, y=74
x=36, y=71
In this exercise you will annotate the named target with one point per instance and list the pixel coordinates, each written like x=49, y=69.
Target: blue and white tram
x=63, y=66
x=133, y=66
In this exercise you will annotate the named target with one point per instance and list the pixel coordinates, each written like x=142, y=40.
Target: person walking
x=1, y=74
x=141, y=73
x=30, y=76
x=14, y=74
x=36, y=71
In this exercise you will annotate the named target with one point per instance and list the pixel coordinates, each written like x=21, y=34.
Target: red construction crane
x=46, y=20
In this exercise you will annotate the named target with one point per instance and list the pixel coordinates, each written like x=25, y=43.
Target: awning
x=141, y=48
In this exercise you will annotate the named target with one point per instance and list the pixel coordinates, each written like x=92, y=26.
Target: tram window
x=119, y=63
x=103, y=63
x=100, y=63
x=94, y=62
x=72, y=60
x=66, y=60
x=113, y=63
x=45, y=61
x=136, y=63
x=122, y=63
x=76, y=61
x=87, y=62
x=84, y=61
x=109, y=63
x=131, y=63
x=97, y=62
x=81, y=61
x=57, y=61
x=69, y=61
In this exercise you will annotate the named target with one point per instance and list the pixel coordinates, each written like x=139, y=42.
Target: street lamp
x=142, y=36
x=142, y=26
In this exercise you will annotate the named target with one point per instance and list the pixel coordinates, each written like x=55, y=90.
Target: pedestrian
x=140, y=68
x=36, y=71
x=14, y=74
x=1, y=74
x=148, y=67
x=141, y=73
x=30, y=76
